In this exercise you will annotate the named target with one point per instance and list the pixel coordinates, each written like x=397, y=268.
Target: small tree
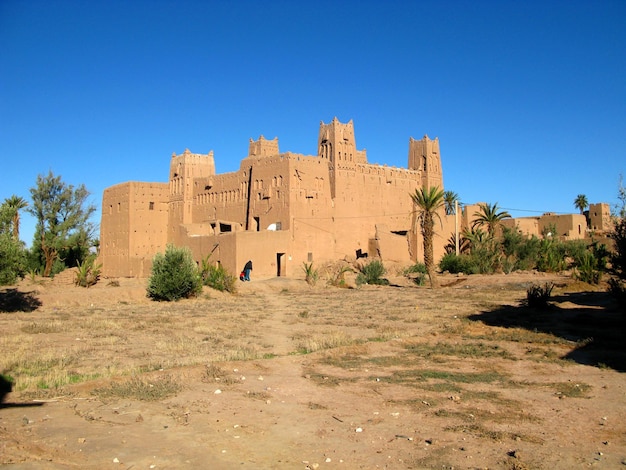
x=174, y=275
x=61, y=211
x=451, y=200
x=14, y=205
x=428, y=202
x=491, y=216
x=581, y=203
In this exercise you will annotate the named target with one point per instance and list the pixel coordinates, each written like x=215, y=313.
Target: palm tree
x=15, y=204
x=449, y=198
x=490, y=216
x=581, y=203
x=428, y=202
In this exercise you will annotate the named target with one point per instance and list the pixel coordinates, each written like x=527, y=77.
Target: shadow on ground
x=12, y=300
x=591, y=319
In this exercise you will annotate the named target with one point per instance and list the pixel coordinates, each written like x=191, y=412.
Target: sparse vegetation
x=417, y=273
x=217, y=277
x=138, y=388
x=372, y=273
x=337, y=276
x=87, y=273
x=311, y=274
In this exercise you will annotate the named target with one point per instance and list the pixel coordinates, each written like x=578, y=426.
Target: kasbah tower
x=279, y=210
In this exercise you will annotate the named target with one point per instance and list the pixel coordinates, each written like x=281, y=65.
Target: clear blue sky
x=528, y=98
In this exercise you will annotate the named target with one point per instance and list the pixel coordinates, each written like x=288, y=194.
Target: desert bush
x=537, y=296
x=458, y=264
x=586, y=269
x=174, y=275
x=417, y=272
x=88, y=273
x=371, y=273
x=217, y=277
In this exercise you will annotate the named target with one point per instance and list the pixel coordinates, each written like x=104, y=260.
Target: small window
x=309, y=257
x=151, y=206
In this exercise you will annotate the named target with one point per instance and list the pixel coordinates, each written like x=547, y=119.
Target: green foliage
x=537, y=296
x=617, y=285
x=372, y=273
x=417, y=272
x=618, y=258
x=589, y=261
x=551, y=257
x=88, y=273
x=581, y=203
x=520, y=249
x=217, y=277
x=463, y=263
x=451, y=200
x=62, y=215
x=310, y=273
x=12, y=259
x=491, y=216
x=428, y=201
x=174, y=275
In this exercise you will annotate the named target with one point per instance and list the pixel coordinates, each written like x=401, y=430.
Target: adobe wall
x=528, y=226
x=133, y=227
x=568, y=226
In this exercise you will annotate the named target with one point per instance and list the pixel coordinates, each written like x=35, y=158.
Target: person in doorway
x=246, y=271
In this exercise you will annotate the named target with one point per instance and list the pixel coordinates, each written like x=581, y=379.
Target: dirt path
x=455, y=378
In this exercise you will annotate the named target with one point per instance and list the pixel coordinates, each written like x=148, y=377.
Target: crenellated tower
x=184, y=168
x=424, y=157
x=263, y=147
x=336, y=143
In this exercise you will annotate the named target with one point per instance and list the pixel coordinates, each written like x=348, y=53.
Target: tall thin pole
x=456, y=227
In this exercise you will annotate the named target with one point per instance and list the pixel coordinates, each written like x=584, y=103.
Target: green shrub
x=552, y=253
x=417, y=273
x=88, y=273
x=372, y=273
x=217, y=277
x=458, y=264
x=174, y=275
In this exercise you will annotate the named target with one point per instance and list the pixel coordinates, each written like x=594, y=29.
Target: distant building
x=281, y=210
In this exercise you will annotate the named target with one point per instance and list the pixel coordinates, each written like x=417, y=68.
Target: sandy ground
x=459, y=377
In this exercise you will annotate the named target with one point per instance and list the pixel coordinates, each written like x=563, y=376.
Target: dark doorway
x=280, y=264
